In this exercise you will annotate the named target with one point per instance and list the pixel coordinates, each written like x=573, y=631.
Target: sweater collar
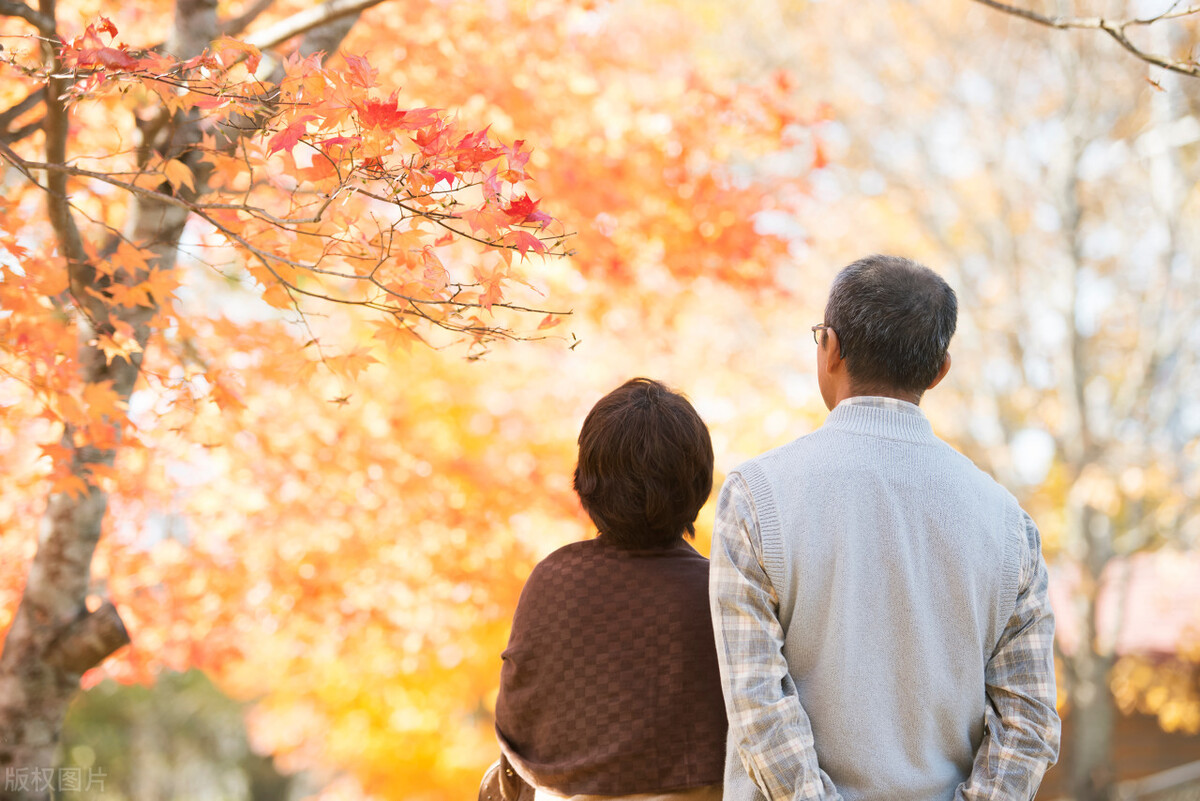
x=881, y=417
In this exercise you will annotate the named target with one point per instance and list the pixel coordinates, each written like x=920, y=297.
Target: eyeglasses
x=820, y=327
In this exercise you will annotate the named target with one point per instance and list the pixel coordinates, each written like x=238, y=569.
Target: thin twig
x=15, y=8
x=1114, y=29
x=413, y=305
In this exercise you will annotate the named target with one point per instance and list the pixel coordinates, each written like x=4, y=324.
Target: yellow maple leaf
x=177, y=173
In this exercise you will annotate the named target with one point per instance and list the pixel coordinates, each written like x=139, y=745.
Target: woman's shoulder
x=597, y=549
x=564, y=563
x=596, y=559
x=570, y=554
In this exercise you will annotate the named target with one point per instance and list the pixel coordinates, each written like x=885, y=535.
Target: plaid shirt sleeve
x=1021, y=732
x=770, y=728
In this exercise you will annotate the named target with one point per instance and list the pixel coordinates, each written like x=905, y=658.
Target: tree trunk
x=54, y=639
x=1093, y=717
x=1093, y=710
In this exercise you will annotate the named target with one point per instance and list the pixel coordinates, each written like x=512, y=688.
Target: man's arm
x=1021, y=731
x=769, y=726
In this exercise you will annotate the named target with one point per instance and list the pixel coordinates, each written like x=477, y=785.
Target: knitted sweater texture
x=896, y=563
x=610, y=684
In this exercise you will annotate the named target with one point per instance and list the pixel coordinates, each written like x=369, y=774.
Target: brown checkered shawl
x=610, y=683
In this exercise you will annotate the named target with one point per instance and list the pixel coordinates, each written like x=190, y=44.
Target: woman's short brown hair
x=645, y=465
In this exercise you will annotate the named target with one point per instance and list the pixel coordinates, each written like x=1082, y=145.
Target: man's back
x=896, y=565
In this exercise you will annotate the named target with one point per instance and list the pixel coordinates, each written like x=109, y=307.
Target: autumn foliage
x=304, y=498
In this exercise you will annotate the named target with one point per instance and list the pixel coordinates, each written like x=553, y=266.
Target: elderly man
x=879, y=603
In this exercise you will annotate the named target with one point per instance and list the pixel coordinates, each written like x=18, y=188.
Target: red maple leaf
x=338, y=141
x=524, y=209
x=381, y=113
x=108, y=57
x=524, y=242
x=419, y=118
x=387, y=114
x=431, y=140
x=493, y=293
x=289, y=136
x=474, y=149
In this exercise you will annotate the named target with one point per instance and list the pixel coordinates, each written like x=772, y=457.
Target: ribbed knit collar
x=881, y=417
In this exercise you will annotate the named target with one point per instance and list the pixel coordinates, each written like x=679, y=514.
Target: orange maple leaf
x=352, y=363
x=102, y=401
x=231, y=51
x=71, y=484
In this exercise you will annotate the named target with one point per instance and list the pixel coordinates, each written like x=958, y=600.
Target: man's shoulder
x=970, y=471
x=799, y=449
x=829, y=447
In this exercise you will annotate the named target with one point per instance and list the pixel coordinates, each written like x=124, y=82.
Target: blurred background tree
x=1057, y=187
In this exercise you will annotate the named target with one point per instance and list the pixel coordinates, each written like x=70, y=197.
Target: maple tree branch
x=88, y=641
x=328, y=36
x=55, y=126
x=15, y=8
x=304, y=21
x=268, y=217
x=19, y=163
x=236, y=25
x=440, y=219
x=9, y=115
x=23, y=131
x=1170, y=13
x=415, y=306
x=1114, y=29
x=201, y=208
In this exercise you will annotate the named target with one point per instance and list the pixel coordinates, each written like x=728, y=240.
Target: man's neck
x=881, y=401
x=854, y=392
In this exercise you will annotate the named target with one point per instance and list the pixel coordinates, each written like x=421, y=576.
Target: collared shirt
x=1010, y=760
x=710, y=792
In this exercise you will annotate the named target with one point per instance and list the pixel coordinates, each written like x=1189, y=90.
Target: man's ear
x=941, y=373
x=833, y=351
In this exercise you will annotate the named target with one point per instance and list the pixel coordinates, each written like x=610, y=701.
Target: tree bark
x=1093, y=711
x=1093, y=717
x=54, y=639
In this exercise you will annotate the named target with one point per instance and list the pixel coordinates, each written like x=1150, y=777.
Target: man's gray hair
x=894, y=319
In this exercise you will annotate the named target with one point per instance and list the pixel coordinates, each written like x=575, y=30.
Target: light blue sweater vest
x=897, y=564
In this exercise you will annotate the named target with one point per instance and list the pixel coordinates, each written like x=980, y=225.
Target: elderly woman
x=609, y=687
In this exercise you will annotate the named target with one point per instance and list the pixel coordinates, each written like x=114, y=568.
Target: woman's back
x=610, y=683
